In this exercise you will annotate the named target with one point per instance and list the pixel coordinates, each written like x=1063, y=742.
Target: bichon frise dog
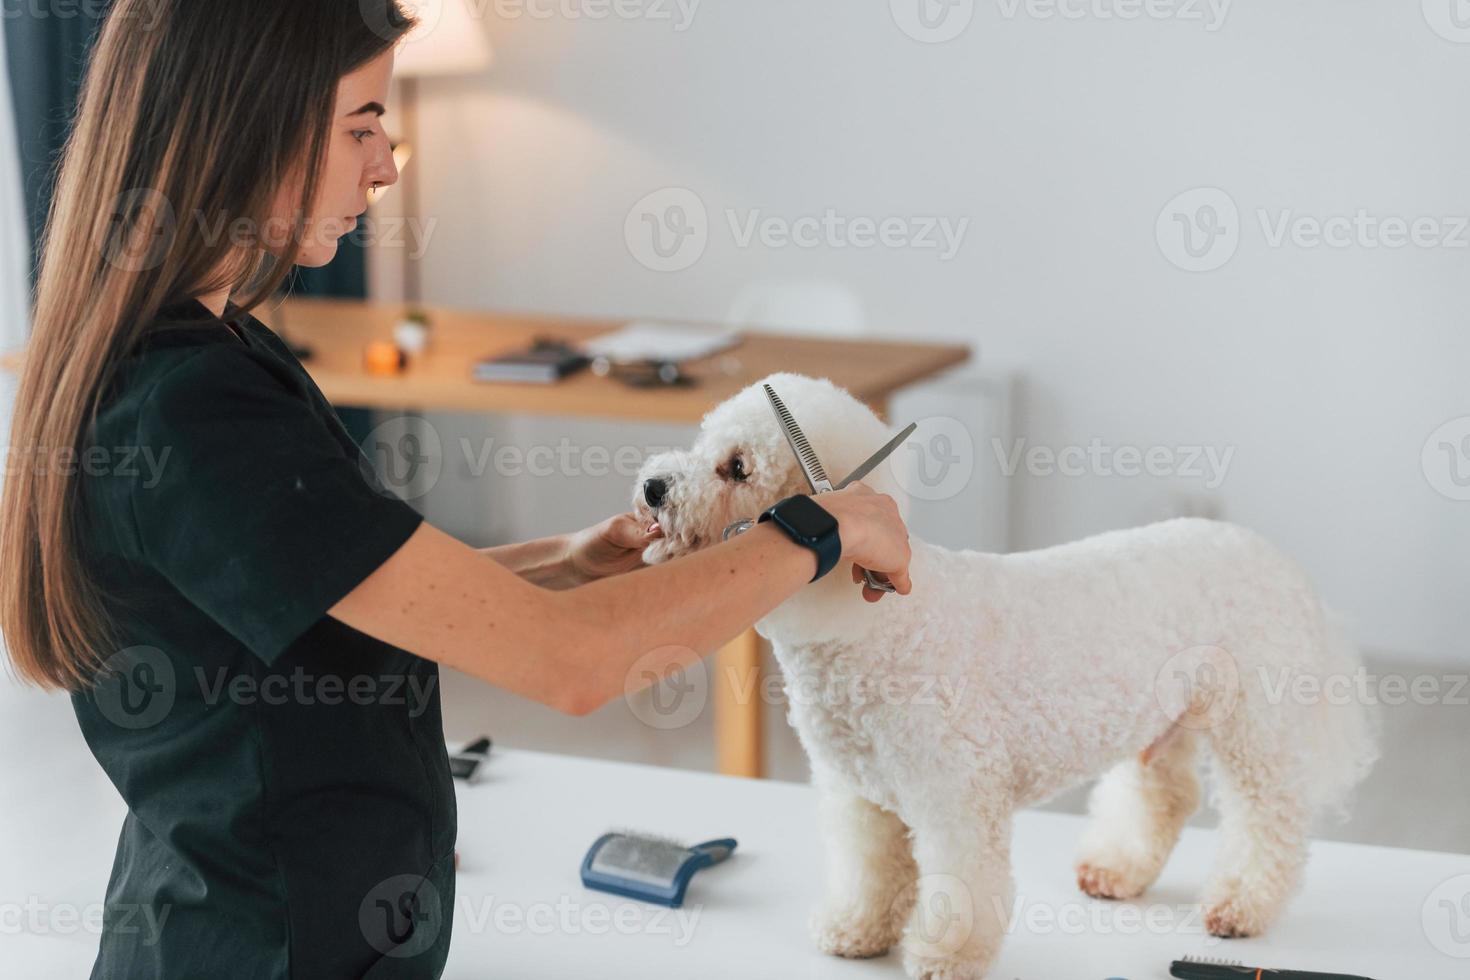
x=1004, y=679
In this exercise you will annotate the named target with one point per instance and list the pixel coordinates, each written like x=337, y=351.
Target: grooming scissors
x=816, y=474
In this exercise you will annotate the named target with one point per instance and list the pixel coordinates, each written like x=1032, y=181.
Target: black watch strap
x=810, y=525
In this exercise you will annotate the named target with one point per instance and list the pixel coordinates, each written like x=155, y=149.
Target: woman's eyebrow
x=376, y=108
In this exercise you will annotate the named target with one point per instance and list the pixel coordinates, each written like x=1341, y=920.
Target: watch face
x=808, y=518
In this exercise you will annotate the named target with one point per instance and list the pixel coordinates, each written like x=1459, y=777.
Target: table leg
x=737, y=689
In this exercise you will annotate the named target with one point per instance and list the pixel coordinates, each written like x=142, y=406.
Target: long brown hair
x=193, y=115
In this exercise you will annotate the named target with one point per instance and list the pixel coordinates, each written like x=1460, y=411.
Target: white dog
x=1004, y=679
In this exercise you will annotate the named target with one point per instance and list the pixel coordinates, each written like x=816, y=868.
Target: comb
x=1193, y=968
x=816, y=475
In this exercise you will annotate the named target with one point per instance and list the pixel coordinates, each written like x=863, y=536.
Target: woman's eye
x=361, y=134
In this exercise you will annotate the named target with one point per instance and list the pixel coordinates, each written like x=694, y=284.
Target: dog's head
x=740, y=463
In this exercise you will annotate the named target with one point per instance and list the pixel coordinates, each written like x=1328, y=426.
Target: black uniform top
x=290, y=807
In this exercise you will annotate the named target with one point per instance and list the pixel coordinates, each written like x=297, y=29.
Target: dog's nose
x=654, y=491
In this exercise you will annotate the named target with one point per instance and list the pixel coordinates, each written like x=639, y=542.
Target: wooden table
x=337, y=331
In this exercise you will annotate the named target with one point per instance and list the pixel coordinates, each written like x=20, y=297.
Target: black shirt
x=290, y=807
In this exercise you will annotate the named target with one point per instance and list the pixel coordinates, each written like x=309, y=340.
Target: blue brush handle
x=700, y=856
x=717, y=850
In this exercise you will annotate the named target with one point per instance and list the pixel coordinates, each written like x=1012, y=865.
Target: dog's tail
x=1345, y=726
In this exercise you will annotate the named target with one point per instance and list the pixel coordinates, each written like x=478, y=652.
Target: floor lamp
x=449, y=41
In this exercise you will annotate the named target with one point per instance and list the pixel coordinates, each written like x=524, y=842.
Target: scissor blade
x=811, y=466
x=878, y=457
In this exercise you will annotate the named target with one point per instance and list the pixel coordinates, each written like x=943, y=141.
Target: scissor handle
x=874, y=582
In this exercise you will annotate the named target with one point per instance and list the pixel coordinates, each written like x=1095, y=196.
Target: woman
x=251, y=631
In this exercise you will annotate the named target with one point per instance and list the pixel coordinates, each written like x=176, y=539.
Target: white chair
x=978, y=515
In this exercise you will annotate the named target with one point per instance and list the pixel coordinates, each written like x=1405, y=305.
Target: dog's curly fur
x=1004, y=679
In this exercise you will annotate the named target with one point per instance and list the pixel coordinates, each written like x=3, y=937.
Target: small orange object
x=383, y=357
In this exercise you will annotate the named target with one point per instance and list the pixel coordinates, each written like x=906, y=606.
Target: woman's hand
x=611, y=547
x=873, y=536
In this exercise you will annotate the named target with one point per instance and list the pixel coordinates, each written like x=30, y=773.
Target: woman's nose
x=654, y=491
x=383, y=171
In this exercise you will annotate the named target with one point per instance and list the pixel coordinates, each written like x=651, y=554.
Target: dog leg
x=870, y=875
x=1264, y=824
x=1138, y=809
x=964, y=899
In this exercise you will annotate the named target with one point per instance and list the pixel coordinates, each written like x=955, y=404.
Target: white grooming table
x=522, y=913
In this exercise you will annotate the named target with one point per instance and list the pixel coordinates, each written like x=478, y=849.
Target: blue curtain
x=46, y=56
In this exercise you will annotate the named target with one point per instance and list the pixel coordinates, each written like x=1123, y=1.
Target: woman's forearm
x=546, y=562
x=668, y=616
x=573, y=649
x=579, y=648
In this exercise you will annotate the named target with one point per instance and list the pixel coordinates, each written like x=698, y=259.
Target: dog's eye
x=733, y=469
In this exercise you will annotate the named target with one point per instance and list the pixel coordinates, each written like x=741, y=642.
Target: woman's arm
x=570, y=649
x=562, y=561
x=574, y=649
x=545, y=561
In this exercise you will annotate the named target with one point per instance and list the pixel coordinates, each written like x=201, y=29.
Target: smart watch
x=809, y=525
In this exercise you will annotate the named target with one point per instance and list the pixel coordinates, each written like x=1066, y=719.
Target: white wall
x=1060, y=140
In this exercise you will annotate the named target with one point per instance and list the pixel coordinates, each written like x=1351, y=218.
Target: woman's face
x=358, y=156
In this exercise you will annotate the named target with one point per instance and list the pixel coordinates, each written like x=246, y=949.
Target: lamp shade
x=450, y=39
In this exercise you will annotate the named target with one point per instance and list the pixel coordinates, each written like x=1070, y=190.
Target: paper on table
x=641, y=341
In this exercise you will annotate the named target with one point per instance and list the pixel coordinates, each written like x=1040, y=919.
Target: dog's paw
x=852, y=933
x=1234, y=918
x=920, y=967
x=1105, y=882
